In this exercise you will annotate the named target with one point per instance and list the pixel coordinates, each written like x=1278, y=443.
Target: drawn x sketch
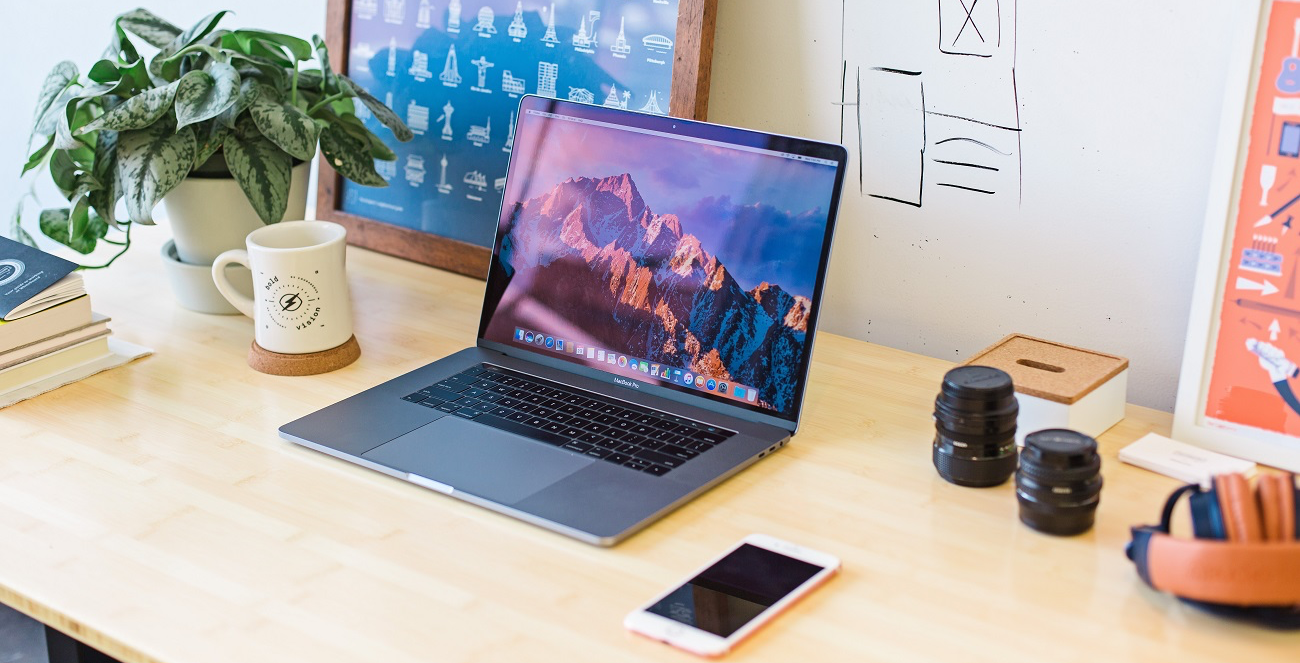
x=930, y=119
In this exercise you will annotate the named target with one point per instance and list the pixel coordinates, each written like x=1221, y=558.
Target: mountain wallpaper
x=594, y=257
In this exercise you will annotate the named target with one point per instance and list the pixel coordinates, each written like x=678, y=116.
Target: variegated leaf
x=104, y=200
x=150, y=163
x=287, y=126
x=202, y=95
x=16, y=230
x=329, y=81
x=56, y=82
x=162, y=67
x=350, y=156
x=137, y=112
x=262, y=170
x=383, y=113
x=149, y=27
x=63, y=139
x=209, y=137
x=249, y=90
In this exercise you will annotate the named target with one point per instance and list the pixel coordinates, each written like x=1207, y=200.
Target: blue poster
x=455, y=72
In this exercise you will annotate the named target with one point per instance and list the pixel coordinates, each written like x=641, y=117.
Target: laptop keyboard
x=614, y=431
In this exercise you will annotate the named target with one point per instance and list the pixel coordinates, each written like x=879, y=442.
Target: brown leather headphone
x=1245, y=558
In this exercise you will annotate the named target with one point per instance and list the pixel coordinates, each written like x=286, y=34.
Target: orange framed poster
x=1239, y=391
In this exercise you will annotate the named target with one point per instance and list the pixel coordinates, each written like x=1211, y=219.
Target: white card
x=1180, y=460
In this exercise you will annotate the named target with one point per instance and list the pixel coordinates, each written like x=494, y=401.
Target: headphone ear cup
x=1207, y=519
x=1276, y=507
x=1240, y=509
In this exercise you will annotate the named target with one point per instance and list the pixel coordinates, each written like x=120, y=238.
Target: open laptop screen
x=664, y=251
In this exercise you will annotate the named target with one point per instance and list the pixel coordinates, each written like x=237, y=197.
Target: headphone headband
x=1221, y=571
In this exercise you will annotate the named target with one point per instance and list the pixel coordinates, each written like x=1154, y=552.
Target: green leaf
x=56, y=223
x=209, y=136
x=16, y=230
x=163, y=66
x=63, y=170
x=56, y=83
x=150, y=163
x=104, y=71
x=203, y=95
x=310, y=79
x=262, y=170
x=383, y=113
x=287, y=126
x=104, y=200
x=149, y=27
x=246, y=39
x=354, y=126
x=38, y=157
x=63, y=139
x=323, y=56
x=137, y=112
x=350, y=156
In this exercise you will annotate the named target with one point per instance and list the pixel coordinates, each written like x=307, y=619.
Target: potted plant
x=235, y=107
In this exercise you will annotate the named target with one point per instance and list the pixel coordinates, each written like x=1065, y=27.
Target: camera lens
x=975, y=426
x=1059, y=482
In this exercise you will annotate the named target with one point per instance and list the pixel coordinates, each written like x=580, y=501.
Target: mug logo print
x=290, y=302
x=293, y=302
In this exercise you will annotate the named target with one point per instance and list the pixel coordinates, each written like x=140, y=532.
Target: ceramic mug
x=300, y=298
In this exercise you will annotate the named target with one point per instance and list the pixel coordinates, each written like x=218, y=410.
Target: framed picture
x=455, y=73
x=1239, y=386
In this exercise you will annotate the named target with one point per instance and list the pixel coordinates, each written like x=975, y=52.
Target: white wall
x=1119, y=103
x=1119, y=118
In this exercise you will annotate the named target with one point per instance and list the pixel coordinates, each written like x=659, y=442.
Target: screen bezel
x=690, y=128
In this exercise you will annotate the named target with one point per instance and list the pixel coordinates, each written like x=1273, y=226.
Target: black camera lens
x=1059, y=482
x=975, y=426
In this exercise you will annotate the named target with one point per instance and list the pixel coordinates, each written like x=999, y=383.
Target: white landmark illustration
x=486, y=18
x=363, y=51
x=420, y=66
x=517, y=28
x=547, y=74
x=620, y=47
x=443, y=187
x=581, y=95
x=424, y=15
x=483, y=65
x=445, y=119
x=586, y=36
x=415, y=170
x=510, y=140
x=366, y=9
x=450, y=76
x=550, y=38
x=477, y=180
x=453, y=17
x=417, y=117
x=386, y=169
x=657, y=43
x=613, y=101
x=479, y=135
x=511, y=84
x=392, y=56
x=652, y=106
x=394, y=11
x=499, y=184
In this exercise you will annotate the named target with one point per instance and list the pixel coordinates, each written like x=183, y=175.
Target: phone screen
x=727, y=595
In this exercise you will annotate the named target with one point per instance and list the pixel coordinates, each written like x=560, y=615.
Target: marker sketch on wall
x=928, y=120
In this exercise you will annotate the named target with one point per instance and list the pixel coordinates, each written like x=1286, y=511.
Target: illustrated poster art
x=1254, y=375
x=455, y=71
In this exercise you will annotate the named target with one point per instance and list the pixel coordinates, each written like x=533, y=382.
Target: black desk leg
x=64, y=649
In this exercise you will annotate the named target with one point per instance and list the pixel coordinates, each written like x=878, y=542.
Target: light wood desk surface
x=154, y=513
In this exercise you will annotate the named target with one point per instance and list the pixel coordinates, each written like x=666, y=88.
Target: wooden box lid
x=1049, y=370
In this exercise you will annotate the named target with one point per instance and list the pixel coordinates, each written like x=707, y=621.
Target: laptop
x=646, y=329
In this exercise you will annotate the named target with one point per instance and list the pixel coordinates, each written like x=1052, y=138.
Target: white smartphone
x=733, y=595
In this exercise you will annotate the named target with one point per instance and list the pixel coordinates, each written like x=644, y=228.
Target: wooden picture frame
x=689, y=98
x=1243, y=334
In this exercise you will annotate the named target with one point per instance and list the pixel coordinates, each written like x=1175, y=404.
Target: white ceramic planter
x=208, y=216
x=211, y=215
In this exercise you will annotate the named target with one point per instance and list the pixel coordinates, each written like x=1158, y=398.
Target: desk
x=153, y=512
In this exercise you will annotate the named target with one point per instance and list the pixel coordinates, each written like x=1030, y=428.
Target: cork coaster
x=273, y=363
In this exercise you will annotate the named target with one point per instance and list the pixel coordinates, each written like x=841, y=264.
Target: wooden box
x=1058, y=385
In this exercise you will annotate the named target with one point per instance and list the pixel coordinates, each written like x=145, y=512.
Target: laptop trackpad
x=477, y=459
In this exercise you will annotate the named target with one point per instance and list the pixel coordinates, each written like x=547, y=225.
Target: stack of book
x=47, y=329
